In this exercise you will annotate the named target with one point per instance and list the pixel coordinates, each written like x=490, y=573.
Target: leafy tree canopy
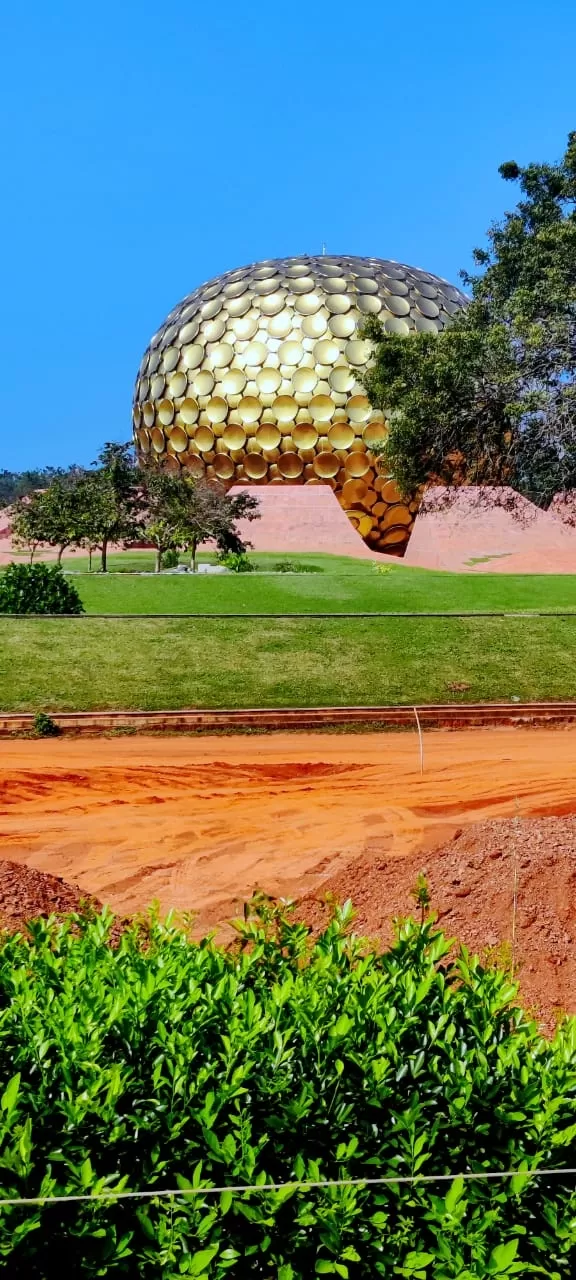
x=493, y=398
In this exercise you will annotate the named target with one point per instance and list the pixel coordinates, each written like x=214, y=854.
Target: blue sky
x=148, y=147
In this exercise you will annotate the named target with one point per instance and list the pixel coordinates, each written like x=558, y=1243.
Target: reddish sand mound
x=471, y=881
x=492, y=530
x=298, y=518
x=26, y=894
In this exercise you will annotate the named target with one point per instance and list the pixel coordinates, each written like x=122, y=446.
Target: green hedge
x=170, y=1063
x=37, y=588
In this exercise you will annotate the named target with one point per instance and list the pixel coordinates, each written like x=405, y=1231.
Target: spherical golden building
x=255, y=379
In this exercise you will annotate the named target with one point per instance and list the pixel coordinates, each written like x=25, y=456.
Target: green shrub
x=167, y=1063
x=37, y=588
x=296, y=566
x=237, y=561
x=169, y=559
x=45, y=726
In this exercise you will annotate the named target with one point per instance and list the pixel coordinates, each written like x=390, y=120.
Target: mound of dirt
x=473, y=882
x=26, y=894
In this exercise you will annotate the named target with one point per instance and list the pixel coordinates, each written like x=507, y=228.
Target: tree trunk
x=89, y=559
x=32, y=553
x=104, y=555
x=59, y=556
x=158, y=560
x=193, y=563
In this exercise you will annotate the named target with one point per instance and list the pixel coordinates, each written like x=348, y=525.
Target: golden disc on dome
x=195, y=465
x=235, y=288
x=306, y=304
x=269, y=285
x=341, y=379
x=326, y=352
x=202, y=382
x=354, y=491
x=397, y=515
x=255, y=466
x=395, y=325
x=338, y=303
x=365, y=284
x=157, y=438
x=213, y=330
x=221, y=355
x=295, y=269
x=290, y=465
x=188, y=331
x=379, y=509
x=172, y=464
x=358, y=408
x=137, y=415
x=179, y=439
x=224, y=466
x=393, y=537
x=290, y=353
x=148, y=413
x=342, y=326
x=326, y=465
x=304, y=284
x=170, y=359
x=144, y=439
x=285, y=408
x=204, y=438
x=268, y=436
x=157, y=385
x=268, y=380
x=177, y=384
x=340, y=435
x=321, y=408
x=357, y=465
x=357, y=351
x=233, y=382
x=304, y=435
x=255, y=354
x=281, y=325
x=368, y=304
x=316, y=325
x=390, y=491
x=273, y=304
x=211, y=308
x=365, y=524
x=165, y=412
x=192, y=355
x=239, y=306
x=423, y=325
x=234, y=436
x=398, y=306
x=370, y=500
x=374, y=433
x=304, y=380
x=249, y=409
x=244, y=327
x=216, y=409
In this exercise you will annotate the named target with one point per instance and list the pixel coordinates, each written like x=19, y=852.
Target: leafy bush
x=167, y=1063
x=237, y=561
x=169, y=559
x=37, y=588
x=296, y=566
x=45, y=726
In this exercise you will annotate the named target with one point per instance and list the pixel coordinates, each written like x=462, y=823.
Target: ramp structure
x=297, y=518
x=491, y=530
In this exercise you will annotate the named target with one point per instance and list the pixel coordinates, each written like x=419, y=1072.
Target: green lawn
x=343, y=585
x=47, y=664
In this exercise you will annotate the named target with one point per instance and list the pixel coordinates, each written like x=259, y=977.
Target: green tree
x=116, y=500
x=165, y=502
x=493, y=398
x=48, y=516
x=200, y=512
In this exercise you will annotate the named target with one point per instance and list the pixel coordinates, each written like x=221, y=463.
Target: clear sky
x=150, y=146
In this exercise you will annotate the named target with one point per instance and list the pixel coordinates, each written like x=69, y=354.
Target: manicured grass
x=343, y=586
x=50, y=665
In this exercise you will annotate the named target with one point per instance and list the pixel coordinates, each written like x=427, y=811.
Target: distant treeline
x=14, y=484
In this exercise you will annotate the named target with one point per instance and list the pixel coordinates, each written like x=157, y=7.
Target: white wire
x=238, y=1188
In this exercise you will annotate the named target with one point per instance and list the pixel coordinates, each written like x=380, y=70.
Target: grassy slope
x=344, y=585
x=89, y=663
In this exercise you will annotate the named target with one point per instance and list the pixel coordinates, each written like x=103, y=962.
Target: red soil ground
x=26, y=894
x=198, y=823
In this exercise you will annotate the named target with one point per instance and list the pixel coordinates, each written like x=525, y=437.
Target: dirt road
x=197, y=823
